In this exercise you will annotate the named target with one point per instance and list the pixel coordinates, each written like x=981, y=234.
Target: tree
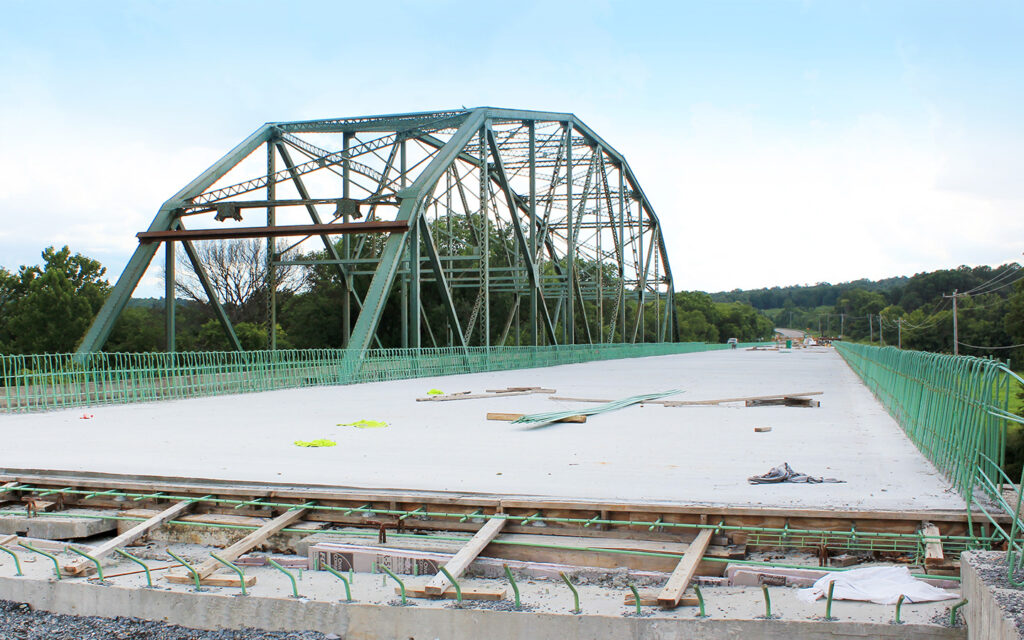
x=48, y=309
x=237, y=270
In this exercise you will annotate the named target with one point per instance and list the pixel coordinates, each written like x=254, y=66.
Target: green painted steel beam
x=104, y=322
x=409, y=210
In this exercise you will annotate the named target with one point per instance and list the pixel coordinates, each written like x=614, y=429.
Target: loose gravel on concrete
x=20, y=622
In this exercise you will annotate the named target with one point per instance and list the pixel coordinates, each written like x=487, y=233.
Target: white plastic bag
x=882, y=585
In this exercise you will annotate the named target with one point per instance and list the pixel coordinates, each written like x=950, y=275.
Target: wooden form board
x=244, y=545
x=457, y=565
x=478, y=396
x=687, y=403
x=650, y=599
x=468, y=593
x=933, y=544
x=222, y=580
x=510, y=417
x=685, y=570
x=82, y=565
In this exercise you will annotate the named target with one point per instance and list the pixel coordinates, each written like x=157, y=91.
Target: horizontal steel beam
x=233, y=233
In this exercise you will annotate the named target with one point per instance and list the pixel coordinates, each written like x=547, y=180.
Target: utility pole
x=881, y=334
x=871, y=329
x=842, y=324
x=956, y=337
x=899, y=329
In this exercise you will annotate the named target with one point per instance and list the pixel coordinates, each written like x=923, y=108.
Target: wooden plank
x=83, y=565
x=933, y=544
x=650, y=599
x=247, y=543
x=509, y=417
x=673, y=591
x=221, y=580
x=466, y=555
x=468, y=593
x=684, y=403
x=478, y=396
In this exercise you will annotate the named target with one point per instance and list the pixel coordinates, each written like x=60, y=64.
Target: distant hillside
x=807, y=296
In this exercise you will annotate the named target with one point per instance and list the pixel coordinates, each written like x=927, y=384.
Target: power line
x=1011, y=269
x=974, y=346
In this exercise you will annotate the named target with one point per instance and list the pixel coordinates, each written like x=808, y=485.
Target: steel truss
x=530, y=207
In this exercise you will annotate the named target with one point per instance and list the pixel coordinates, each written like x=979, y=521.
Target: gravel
x=20, y=622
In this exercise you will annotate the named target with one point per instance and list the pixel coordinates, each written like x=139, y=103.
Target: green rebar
x=53, y=558
x=458, y=589
x=401, y=585
x=233, y=567
x=899, y=605
x=295, y=588
x=953, y=610
x=348, y=590
x=828, y=603
x=575, y=593
x=767, y=602
x=149, y=578
x=17, y=563
x=195, y=574
x=700, y=601
x=515, y=587
x=99, y=567
x=636, y=596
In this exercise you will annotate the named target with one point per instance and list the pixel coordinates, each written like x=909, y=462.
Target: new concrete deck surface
x=688, y=455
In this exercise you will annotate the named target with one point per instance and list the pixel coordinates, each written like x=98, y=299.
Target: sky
x=779, y=142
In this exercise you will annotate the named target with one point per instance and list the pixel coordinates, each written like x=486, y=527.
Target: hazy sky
x=779, y=142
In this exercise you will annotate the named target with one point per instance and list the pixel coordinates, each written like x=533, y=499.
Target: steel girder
x=499, y=210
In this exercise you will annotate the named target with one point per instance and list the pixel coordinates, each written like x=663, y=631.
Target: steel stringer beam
x=218, y=308
x=514, y=205
x=104, y=322
x=409, y=211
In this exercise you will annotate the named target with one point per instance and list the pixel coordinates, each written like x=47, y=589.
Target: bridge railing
x=955, y=409
x=53, y=381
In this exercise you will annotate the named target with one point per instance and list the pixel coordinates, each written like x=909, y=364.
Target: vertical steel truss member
x=523, y=215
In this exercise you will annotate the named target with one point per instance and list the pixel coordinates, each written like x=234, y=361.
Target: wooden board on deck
x=510, y=417
x=685, y=570
x=468, y=593
x=217, y=580
x=650, y=599
x=466, y=555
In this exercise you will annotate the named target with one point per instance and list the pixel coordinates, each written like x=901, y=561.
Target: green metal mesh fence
x=52, y=381
x=955, y=409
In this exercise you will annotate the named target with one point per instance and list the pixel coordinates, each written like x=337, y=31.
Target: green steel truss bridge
x=532, y=205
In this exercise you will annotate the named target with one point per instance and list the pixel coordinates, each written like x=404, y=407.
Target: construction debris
x=319, y=442
x=797, y=398
x=511, y=417
x=785, y=473
x=762, y=429
x=490, y=393
x=540, y=419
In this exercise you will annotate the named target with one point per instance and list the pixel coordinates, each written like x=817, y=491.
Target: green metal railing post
x=99, y=567
x=458, y=589
x=401, y=585
x=192, y=570
x=700, y=601
x=17, y=563
x=348, y=590
x=515, y=587
x=149, y=577
x=295, y=588
x=53, y=558
x=636, y=596
x=575, y=593
x=899, y=605
x=233, y=567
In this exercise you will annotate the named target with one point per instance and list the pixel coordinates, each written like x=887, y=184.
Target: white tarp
x=882, y=585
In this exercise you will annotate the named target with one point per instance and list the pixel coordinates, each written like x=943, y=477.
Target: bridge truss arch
x=523, y=227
